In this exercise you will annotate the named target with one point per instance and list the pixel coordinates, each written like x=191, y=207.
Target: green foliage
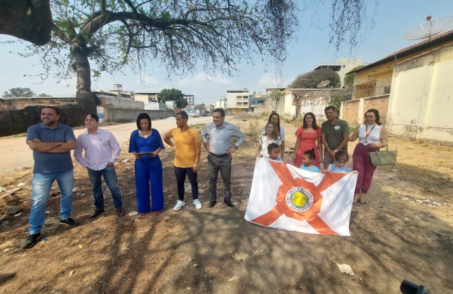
x=178, y=36
x=287, y=120
x=336, y=102
x=44, y=95
x=198, y=126
x=313, y=78
x=264, y=115
x=19, y=92
x=253, y=131
x=276, y=95
x=349, y=79
x=172, y=95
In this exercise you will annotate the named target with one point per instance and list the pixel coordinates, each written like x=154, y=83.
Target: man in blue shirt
x=51, y=143
x=216, y=137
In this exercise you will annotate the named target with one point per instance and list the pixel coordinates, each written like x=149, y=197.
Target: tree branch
x=103, y=9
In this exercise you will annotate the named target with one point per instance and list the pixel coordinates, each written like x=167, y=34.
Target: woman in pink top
x=308, y=137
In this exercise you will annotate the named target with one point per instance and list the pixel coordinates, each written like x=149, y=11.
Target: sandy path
x=15, y=154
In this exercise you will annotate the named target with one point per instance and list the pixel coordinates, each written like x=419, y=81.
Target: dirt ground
x=405, y=231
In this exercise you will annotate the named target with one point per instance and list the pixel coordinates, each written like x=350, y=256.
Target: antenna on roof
x=429, y=28
x=323, y=84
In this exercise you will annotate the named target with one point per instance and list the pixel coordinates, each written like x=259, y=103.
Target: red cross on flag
x=288, y=198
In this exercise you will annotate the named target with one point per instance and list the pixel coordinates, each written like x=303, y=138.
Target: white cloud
x=200, y=78
x=269, y=80
x=147, y=80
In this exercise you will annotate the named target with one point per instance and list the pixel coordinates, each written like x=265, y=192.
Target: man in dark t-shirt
x=335, y=135
x=51, y=143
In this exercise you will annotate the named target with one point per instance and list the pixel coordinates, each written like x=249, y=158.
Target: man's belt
x=219, y=155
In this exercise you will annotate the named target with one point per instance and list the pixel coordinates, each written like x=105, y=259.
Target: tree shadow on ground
x=214, y=250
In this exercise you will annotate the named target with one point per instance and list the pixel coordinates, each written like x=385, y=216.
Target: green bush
x=253, y=131
x=264, y=115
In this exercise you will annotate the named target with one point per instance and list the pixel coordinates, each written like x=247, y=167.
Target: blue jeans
x=41, y=189
x=109, y=175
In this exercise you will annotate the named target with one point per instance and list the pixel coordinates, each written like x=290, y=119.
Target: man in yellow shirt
x=187, y=145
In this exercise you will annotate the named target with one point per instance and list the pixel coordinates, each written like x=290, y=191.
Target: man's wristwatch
x=236, y=147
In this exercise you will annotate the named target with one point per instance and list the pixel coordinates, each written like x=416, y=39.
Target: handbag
x=387, y=157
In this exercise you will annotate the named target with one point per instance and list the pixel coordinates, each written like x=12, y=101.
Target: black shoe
x=228, y=202
x=31, y=241
x=212, y=203
x=68, y=222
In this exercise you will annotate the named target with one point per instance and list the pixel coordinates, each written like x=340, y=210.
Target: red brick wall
x=350, y=110
x=380, y=103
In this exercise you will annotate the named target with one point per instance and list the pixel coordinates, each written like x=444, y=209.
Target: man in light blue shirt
x=216, y=137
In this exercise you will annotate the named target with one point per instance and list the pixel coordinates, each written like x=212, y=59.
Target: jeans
x=42, y=184
x=109, y=175
x=180, y=174
x=222, y=164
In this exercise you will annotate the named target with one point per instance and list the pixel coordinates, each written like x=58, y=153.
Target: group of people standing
x=52, y=142
x=325, y=148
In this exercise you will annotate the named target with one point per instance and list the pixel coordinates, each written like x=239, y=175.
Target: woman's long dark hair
x=278, y=124
x=313, y=125
x=143, y=116
x=376, y=114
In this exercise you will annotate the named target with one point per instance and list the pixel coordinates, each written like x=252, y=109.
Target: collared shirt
x=335, y=133
x=220, y=138
x=45, y=162
x=100, y=149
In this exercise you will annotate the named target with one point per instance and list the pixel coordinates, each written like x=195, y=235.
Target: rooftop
x=426, y=44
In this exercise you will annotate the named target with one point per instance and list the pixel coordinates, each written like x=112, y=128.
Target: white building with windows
x=238, y=101
x=190, y=99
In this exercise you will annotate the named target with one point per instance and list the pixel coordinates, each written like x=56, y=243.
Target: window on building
x=387, y=89
x=364, y=90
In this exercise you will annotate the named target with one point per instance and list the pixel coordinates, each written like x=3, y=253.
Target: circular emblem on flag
x=299, y=199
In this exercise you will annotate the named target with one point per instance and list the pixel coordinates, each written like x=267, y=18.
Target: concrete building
x=221, y=103
x=155, y=106
x=256, y=100
x=146, y=97
x=411, y=88
x=114, y=94
x=341, y=67
x=238, y=101
x=190, y=99
x=170, y=104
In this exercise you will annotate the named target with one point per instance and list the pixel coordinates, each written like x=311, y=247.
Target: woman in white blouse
x=269, y=136
x=275, y=118
x=372, y=136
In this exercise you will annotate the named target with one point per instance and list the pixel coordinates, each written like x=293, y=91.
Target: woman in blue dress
x=145, y=144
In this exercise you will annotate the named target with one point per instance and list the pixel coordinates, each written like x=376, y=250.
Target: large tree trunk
x=84, y=96
x=29, y=20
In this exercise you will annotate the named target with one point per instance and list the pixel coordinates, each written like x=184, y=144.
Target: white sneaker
x=179, y=205
x=197, y=204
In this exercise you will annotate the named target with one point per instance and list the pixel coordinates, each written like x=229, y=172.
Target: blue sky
x=393, y=19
